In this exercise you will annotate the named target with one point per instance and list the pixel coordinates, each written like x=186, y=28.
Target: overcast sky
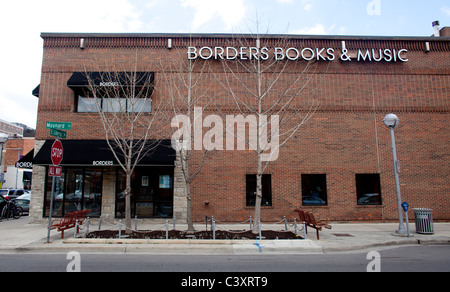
x=22, y=21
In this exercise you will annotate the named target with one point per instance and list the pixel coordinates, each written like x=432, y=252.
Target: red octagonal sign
x=57, y=152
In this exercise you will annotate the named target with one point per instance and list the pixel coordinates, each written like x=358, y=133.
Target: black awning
x=98, y=153
x=36, y=91
x=26, y=161
x=108, y=79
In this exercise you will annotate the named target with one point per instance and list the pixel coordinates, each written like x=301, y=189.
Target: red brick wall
x=345, y=136
x=347, y=148
x=11, y=147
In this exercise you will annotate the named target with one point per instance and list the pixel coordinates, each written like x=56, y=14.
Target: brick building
x=338, y=164
x=11, y=129
x=17, y=175
x=18, y=145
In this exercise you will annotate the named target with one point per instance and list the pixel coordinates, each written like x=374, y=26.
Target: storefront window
x=368, y=189
x=87, y=104
x=120, y=195
x=251, y=190
x=58, y=199
x=73, y=194
x=314, y=190
x=92, y=195
x=114, y=105
x=151, y=192
x=140, y=105
x=77, y=189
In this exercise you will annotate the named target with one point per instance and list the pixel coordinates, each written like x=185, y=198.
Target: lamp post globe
x=391, y=121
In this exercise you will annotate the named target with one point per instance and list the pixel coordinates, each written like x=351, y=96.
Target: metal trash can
x=424, y=220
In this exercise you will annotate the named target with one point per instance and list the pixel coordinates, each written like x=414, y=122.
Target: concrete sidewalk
x=20, y=236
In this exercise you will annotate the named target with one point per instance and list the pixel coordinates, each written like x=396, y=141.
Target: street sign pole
x=51, y=210
x=56, y=155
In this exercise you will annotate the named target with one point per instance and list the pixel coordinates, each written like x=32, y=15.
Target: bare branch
x=187, y=88
x=123, y=103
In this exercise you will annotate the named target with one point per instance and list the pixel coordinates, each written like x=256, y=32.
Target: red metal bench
x=309, y=220
x=69, y=221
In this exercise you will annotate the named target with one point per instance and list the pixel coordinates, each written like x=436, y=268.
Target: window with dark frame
x=251, y=190
x=151, y=193
x=87, y=103
x=113, y=105
x=368, y=189
x=77, y=189
x=314, y=190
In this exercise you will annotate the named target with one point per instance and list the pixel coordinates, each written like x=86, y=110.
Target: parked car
x=310, y=200
x=2, y=203
x=24, y=202
x=11, y=194
x=369, y=199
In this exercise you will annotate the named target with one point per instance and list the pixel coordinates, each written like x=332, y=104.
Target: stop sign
x=57, y=152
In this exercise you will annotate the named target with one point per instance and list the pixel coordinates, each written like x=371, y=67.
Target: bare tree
x=123, y=101
x=187, y=83
x=261, y=86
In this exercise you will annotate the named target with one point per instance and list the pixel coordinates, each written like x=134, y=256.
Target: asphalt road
x=401, y=259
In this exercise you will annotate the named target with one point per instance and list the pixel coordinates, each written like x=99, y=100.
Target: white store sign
x=294, y=54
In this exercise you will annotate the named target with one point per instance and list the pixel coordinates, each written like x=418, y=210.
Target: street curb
x=387, y=244
x=182, y=246
x=189, y=246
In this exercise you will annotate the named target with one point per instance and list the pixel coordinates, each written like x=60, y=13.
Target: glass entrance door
x=151, y=194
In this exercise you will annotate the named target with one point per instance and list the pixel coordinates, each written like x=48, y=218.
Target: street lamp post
x=3, y=139
x=391, y=121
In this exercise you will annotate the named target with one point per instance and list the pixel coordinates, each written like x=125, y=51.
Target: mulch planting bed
x=174, y=234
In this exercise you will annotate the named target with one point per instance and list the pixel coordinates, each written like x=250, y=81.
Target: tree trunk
x=128, y=203
x=190, y=221
x=257, y=215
